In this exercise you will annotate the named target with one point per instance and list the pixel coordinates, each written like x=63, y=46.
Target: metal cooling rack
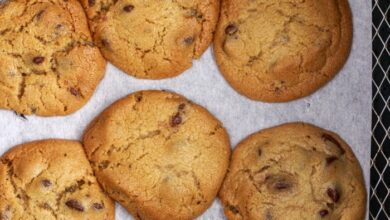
x=380, y=153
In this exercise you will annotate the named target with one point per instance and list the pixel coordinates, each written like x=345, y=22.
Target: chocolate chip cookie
x=159, y=155
x=294, y=171
x=49, y=63
x=50, y=179
x=152, y=39
x=281, y=50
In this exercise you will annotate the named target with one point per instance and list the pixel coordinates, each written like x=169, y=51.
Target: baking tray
x=343, y=105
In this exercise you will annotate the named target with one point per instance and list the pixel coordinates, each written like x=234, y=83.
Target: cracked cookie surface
x=50, y=179
x=159, y=155
x=152, y=39
x=49, y=63
x=281, y=50
x=294, y=171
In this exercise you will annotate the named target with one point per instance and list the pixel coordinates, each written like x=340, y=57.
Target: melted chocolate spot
x=46, y=183
x=330, y=160
x=181, y=106
x=91, y=3
x=328, y=137
x=128, y=8
x=333, y=194
x=38, y=60
x=323, y=212
x=189, y=40
x=74, y=91
x=233, y=209
x=74, y=204
x=176, y=120
x=231, y=29
x=97, y=206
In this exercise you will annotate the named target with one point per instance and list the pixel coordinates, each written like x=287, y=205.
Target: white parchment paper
x=343, y=106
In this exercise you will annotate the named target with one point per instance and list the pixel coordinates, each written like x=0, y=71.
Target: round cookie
x=281, y=50
x=295, y=170
x=49, y=64
x=159, y=155
x=152, y=39
x=50, y=179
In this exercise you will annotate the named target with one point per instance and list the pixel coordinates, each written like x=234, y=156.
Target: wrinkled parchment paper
x=343, y=106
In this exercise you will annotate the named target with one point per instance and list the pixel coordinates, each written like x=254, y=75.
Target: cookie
x=277, y=51
x=50, y=179
x=49, y=63
x=152, y=39
x=159, y=155
x=294, y=171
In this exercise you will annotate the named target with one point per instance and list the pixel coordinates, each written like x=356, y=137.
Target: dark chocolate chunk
x=39, y=14
x=128, y=8
x=328, y=137
x=188, y=40
x=74, y=91
x=98, y=206
x=104, y=164
x=46, y=183
x=74, y=204
x=105, y=43
x=281, y=185
x=233, y=209
x=231, y=29
x=91, y=3
x=333, y=194
x=330, y=160
x=182, y=106
x=176, y=120
x=259, y=152
x=323, y=212
x=38, y=59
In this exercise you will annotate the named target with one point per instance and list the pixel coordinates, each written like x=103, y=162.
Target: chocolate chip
x=330, y=138
x=98, y=206
x=259, y=152
x=105, y=43
x=91, y=3
x=176, y=120
x=231, y=29
x=333, y=194
x=278, y=183
x=38, y=60
x=281, y=185
x=323, y=212
x=330, y=160
x=189, y=40
x=39, y=14
x=233, y=209
x=74, y=91
x=46, y=183
x=104, y=164
x=74, y=204
x=128, y=8
x=181, y=106
x=138, y=98
x=70, y=189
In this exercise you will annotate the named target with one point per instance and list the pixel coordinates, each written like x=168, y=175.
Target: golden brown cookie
x=281, y=50
x=51, y=179
x=49, y=64
x=152, y=39
x=294, y=171
x=159, y=155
